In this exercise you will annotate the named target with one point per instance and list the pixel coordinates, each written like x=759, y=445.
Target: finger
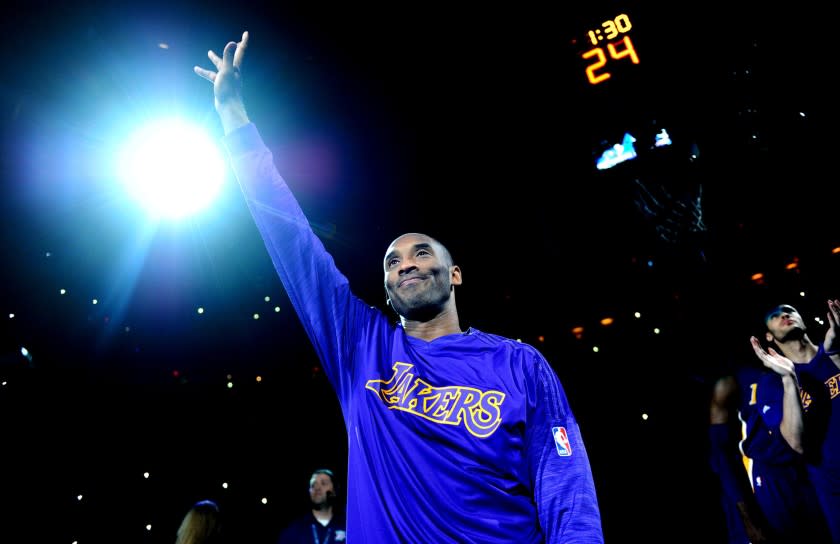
x=206, y=74
x=227, y=54
x=215, y=59
x=756, y=347
x=833, y=313
x=240, y=50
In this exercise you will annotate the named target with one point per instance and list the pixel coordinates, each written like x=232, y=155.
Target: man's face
x=419, y=276
x=319, y=485
x=784, y=323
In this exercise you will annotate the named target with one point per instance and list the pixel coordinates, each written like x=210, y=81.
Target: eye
x=423, y=252
x=392, y=261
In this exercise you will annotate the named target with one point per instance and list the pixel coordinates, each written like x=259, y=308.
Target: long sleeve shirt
x=468, y=438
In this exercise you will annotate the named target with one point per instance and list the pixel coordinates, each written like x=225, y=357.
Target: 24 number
x=601, y=59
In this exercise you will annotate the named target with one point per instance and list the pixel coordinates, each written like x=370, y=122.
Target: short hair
x=326, y=471
x=446, y=255
x=779, y=310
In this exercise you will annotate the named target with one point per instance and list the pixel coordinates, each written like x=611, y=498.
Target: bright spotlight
x=171, y=168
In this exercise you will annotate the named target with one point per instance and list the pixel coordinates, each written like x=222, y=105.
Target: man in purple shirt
x=453, y=435
x=817, y=368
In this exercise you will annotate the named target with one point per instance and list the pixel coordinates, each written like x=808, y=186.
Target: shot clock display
x=606, y=50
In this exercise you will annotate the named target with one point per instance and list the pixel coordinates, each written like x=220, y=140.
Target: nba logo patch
x=561, y=440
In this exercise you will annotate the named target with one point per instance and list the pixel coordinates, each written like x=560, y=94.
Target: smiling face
x=419, y=276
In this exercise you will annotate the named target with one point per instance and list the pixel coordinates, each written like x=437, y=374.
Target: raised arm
x=792, y=424
x=831, y=344
x=318, y=291
x=227, y=83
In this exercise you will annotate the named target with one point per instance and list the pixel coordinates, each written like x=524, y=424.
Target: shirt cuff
x=243, y=140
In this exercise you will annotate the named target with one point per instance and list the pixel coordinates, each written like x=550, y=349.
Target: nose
x=407, y=266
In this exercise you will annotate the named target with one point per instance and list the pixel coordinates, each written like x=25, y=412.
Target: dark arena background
x=146, y=364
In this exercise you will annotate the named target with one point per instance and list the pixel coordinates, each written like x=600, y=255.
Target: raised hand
x=773, y=360
x=831, y=343
x=227, y=82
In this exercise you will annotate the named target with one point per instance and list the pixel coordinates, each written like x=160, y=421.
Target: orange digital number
x=590, y=70
x=601, y=59
x=628, y=50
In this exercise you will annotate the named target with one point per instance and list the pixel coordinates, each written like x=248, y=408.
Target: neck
x=323, y=513
x=442, y=324
x=800, y=351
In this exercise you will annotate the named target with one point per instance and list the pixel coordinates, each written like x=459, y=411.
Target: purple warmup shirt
x=779, y=475
x=820, y=379
x=465, y=439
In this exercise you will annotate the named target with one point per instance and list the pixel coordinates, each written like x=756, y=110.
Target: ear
x=769, y=337
x=388, y=301
x=455, y=274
